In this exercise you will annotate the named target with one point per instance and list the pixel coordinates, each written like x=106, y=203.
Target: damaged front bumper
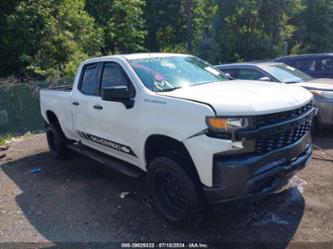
x=253, y=176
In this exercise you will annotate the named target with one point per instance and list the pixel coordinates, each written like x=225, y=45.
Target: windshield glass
x=169, y=73
x=287, y=74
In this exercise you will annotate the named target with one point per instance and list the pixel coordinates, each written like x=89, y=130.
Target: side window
x=249, y=74
x=89, y=84
x=327, y=64
x=305, y=64
x=114, y=75
x=231, y=72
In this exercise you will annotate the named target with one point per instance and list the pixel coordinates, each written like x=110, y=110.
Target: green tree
x=252, y=29
x=315, y=27
x=125, y=30
x=122, y=22
x=54, y=35
x=166, y=25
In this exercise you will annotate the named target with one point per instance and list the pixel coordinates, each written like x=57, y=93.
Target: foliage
x=251, y=29
x=125, y=29
x=49, y=38
x=4, y=139
x=315, y=27
x=54, y=35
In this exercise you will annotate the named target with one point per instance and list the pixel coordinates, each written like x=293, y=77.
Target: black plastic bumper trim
x=247, y=180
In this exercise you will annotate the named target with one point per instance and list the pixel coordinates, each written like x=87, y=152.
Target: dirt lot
x=79, y=201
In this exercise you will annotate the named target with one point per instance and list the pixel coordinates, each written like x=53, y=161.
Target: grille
x=274, y=118
x=281, y=140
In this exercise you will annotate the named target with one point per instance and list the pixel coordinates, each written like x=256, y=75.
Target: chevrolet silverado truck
x=201, y=138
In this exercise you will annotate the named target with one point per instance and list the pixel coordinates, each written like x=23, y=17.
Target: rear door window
x=89, y=84
x=327, y=64
x=306, y=65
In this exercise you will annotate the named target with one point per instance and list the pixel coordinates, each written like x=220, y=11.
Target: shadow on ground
x=323, y=138
x=78, y=200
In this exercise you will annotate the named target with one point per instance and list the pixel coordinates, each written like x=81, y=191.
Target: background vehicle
x=315, y=65
x=322, y=89
x=198, y=135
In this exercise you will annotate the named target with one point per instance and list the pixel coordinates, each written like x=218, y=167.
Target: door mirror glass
x=115, y=93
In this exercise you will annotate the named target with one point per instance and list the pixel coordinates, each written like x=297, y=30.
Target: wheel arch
x=158, y=144
x=51, y=117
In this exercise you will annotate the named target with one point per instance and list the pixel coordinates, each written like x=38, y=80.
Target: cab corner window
x=89, y=84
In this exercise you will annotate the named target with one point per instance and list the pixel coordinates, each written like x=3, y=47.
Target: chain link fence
x=19, y=109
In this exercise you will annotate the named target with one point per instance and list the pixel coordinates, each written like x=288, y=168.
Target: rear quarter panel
x=58, y=102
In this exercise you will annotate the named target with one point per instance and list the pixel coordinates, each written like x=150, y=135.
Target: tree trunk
x=188, y=12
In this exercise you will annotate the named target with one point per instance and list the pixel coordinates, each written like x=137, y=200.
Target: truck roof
x=317, y=55
x=134, y=56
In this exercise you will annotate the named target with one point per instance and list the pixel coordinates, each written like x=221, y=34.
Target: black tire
x=56, y=141
x=176, y=191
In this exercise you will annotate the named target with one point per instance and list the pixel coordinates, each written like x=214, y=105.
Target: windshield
x=287, y=74
x=161, y=74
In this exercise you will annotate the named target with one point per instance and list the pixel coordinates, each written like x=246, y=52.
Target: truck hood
x=317, y=84
x=243, y=97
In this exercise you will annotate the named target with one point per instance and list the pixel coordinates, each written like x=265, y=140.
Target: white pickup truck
x=200, y=137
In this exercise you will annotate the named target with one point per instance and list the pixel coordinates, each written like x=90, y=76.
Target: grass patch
x=5, y=138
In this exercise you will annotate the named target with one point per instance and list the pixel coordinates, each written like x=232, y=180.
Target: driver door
x=116, y=130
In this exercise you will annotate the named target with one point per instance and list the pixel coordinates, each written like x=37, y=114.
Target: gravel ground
x=79, y=200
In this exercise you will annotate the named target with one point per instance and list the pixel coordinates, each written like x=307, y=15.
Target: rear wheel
x=176, y=192
x=56, y=141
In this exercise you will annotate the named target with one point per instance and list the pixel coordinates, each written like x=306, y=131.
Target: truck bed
x=65, y=88
x=58, y=101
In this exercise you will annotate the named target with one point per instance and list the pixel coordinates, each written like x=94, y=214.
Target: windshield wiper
x=170, y=89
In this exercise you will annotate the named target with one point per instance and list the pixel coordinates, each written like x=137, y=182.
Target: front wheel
x=176, y=193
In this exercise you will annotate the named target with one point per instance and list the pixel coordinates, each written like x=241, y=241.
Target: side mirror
x=118, y=94
x=115, y=93
x=265, y=78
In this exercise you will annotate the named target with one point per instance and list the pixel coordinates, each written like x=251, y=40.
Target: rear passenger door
x=83, y=100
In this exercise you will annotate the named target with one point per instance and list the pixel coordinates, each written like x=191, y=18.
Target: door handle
x=75, y=103
x=98, y=107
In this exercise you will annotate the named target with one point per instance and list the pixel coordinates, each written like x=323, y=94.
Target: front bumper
x=253, y=176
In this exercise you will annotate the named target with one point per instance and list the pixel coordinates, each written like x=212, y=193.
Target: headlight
x=323, y=94
x=226, y=124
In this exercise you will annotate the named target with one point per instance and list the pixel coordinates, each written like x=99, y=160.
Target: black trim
x=275, y=128
x=253, y=176
x=108, y=143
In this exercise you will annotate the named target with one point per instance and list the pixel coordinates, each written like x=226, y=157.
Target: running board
x=113, y=163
